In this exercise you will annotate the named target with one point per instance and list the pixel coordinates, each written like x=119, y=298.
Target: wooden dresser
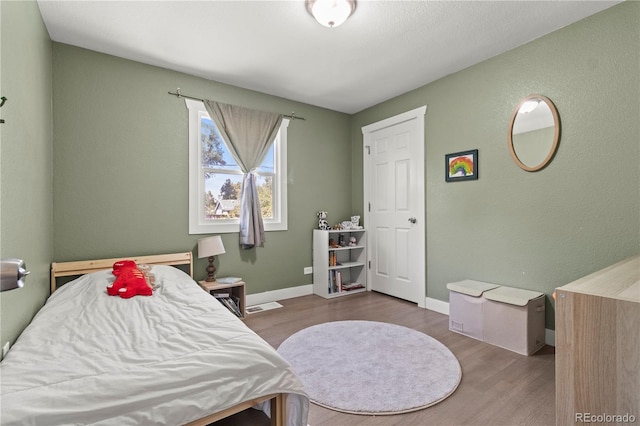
x=598, y=347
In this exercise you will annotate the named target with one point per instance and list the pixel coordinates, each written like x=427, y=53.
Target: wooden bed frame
x=70, y=269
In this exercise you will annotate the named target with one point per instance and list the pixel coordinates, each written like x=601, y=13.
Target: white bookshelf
x=350, y=268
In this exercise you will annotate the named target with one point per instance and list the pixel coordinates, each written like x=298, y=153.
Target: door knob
x=12, y=274
x=413, y=220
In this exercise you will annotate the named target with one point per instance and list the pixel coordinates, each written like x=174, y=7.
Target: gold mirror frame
x=556, y=133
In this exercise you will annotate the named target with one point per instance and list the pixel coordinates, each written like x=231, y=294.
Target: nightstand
x=236, y=289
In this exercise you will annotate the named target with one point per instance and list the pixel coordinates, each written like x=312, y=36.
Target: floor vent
x=262, y=307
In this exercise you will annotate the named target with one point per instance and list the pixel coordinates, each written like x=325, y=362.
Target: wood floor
x=498, y=387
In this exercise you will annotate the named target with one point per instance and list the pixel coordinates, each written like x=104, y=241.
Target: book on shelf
x=232, y=305
x=335, y=281
x=228, y=280
x=351, y=286
x=220, y=295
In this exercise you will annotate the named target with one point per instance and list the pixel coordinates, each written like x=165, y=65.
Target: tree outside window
x=223, y=177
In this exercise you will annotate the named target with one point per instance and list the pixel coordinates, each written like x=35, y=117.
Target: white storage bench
x=466, y=305
x=507, y=317
x=514, y=319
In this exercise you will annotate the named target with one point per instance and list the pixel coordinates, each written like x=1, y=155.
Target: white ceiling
x=385, y=49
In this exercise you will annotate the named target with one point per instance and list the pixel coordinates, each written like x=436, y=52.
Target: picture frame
x=461, y=166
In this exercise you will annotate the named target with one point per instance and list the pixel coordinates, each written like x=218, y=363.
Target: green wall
x=26, y=203
x=544, y=229
x=121, y=168
x=119, y=163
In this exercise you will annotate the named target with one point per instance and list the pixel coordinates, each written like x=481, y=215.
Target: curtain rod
x=179, y=94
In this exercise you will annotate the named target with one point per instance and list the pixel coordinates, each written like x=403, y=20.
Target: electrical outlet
x=5, y=349
x=308, y=270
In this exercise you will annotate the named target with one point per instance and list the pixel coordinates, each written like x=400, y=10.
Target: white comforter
x=166, y=359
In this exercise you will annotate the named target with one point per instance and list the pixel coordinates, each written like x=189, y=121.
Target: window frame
x=197, y=222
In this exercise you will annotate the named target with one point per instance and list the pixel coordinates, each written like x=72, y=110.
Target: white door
x=394, y=205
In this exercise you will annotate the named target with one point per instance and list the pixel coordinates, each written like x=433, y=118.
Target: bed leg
x=278, y=410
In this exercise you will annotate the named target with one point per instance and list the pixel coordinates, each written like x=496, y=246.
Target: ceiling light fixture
x=331, y=13
x=529, y=106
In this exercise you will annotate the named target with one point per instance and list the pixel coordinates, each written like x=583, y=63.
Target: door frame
x=418, y=115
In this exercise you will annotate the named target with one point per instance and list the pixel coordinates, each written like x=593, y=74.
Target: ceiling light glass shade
x=331, y=13
x=528, y=106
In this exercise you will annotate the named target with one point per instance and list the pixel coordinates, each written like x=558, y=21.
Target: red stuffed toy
x=130, y=281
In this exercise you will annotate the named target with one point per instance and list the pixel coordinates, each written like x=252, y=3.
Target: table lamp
x=210, y=247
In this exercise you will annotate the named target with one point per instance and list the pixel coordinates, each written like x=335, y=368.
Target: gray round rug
x=368, y=367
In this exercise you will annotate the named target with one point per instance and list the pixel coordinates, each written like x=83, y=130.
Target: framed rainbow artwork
x=461, y=166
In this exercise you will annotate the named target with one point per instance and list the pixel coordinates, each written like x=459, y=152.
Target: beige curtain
x=248, y=134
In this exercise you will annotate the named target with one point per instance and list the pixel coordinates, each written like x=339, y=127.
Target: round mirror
x=534, y=132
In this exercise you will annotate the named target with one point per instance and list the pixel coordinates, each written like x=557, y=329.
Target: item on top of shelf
x=228, y=280
x=355, y=222
x=352, y=224
x=322, y=220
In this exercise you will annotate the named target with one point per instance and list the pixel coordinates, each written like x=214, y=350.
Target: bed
x=176, y=357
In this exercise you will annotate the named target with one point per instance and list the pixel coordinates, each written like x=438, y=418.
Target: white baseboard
x=550, y=337
x=437, y=306
x=443, y=308
x=281, y=294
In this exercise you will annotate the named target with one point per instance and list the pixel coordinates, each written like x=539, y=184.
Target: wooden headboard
x=67, y=269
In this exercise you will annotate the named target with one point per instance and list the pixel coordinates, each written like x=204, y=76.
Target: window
x=215, y=180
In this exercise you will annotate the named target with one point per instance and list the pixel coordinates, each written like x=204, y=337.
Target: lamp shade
x=210, y=246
